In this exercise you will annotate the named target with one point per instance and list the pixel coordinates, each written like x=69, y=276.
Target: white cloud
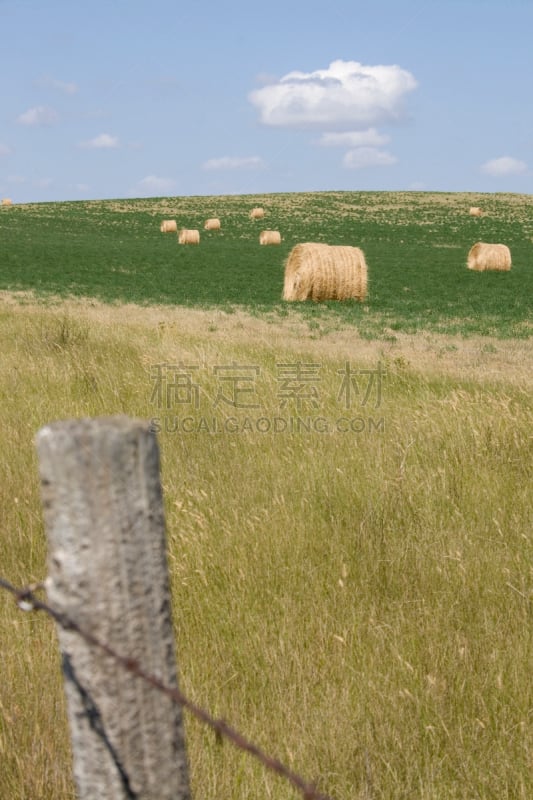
x=152, y=183
x=229, y=162
x=368, y=157
x=265, y=78
x=368, y=138
x=39, y=115
x=101, y=142
x=345, y=95
x=61, y=86
x=68, y=88
x=506, y=165
x=4, y=150
x=43, y=183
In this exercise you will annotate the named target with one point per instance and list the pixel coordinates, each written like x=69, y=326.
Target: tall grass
x=357, y=603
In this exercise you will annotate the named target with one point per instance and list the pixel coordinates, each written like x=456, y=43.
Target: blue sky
x=126, y=98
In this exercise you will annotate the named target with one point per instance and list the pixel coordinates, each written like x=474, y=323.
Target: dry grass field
x=357, y=603
x=350, y=554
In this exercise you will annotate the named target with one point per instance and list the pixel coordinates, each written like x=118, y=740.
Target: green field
x=356, y=599
x=415, y=244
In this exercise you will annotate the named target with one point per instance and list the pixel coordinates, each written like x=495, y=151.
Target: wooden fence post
x=104, y=518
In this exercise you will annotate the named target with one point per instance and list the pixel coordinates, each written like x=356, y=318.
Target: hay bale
x=169, y=226
x=189, y=236
x=6, y=201
x=270, y=237
x=212, y=224
x=316, y=271
x=257, y=213
x=475, y=211
x=483, y=257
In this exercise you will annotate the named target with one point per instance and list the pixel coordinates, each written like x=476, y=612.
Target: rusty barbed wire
x=27, y=601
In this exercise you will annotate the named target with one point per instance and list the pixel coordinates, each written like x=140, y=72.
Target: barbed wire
x=28, y=601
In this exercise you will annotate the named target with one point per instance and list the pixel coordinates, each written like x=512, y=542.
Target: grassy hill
x=416, y=246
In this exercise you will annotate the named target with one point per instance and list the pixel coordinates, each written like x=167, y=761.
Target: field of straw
x=316, y=271
x=346, y=485
x=188, y=236
x=269, y=237
x=484, y=256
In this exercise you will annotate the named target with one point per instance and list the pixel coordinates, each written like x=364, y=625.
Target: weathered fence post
x=103, y=511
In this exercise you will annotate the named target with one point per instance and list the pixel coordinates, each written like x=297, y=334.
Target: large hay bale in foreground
x=484, y=256
x=475, y=211
x=169, y=226
x=257, y=213
x=270, y=237
x=187, y=236
x=315, y=271
x=212, y=224
x=6, y=201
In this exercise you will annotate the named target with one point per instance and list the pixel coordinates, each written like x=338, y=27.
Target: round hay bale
x=6, y=201
x=189, y=236
x=483, y=257
x=257, y=213
x=212, y=224
x=475, y=211
x=169, y=226
x=315, y=271
x=270, y=237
